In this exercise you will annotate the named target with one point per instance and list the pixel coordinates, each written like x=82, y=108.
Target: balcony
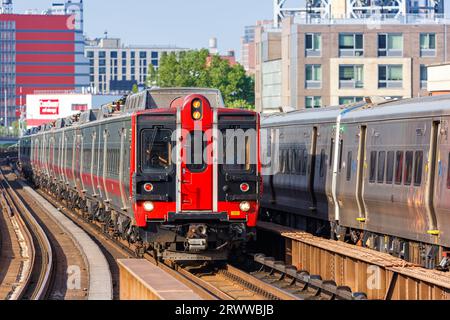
x=351, y=84
x=313, y=84
x=390, y=84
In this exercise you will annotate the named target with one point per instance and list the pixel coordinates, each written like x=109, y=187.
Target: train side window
x=399, y=167
x=322, y=163
x=341, y=151
x=331, y=152
x=408, y=167
x=305, y=162
x=349, y=166
x=390, y=167
x=418, y=168
x=381, y=166
x=373, y=166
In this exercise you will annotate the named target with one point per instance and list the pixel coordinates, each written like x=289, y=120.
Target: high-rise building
x=337, y=52
x=248, y=46
x=40, y=53
x=115, y=68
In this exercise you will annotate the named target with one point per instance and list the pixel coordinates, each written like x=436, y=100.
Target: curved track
x=39, y=275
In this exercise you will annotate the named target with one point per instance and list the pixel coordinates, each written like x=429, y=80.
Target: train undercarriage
x=190, y=240
x=424, y=254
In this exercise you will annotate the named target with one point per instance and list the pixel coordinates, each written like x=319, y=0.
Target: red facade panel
x=39, y=80
x=45, y=58
x=44, y=47
x=44, y=69
x=48, y=36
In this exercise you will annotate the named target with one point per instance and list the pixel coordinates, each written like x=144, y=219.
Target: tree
x=135, y=88
x=190, y=69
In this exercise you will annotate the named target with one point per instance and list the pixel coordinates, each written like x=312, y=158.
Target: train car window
x=322, y=163
x=341, y=151
x=373, y=166
x=390, y=167
x=238, y=157
x=156, y=150
x=349, y=166
x=331, y=152
x=418, y=168
x=304, y=162
x=399, y=167
x=408, y=167
x=381, y=166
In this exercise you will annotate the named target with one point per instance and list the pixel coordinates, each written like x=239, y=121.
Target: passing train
x=373, y=174
x=152, y=171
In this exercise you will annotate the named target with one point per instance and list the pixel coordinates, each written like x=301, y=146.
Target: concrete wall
x=439, y=78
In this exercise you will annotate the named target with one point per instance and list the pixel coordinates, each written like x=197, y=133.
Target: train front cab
x=190, y=201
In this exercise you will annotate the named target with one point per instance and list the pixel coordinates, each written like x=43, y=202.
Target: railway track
x=36, y=277
x=211, y=282
x=59, y=270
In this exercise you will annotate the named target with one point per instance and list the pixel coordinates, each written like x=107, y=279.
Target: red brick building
x=39, y=53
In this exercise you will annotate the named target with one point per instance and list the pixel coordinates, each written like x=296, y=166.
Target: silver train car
x=376, y=175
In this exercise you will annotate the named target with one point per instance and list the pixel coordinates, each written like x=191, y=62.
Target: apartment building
x=314, y=61
x=115, y=68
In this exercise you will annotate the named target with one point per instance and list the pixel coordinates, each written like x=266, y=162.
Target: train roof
x=432, y=106
x=365, y=112
x=305, y=116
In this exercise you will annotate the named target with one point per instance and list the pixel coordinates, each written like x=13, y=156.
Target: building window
x=349, y=100
x=155, y=55
x=143, y=55
x=313, y=76
x=423, y=76
x=113, y=54
x=91, y=70
x=155, y=63
x=124, y=71
x=102, y=70
x=351, y=45
x=313, y=44
x=351, y=76
x=133, y=54
x=90, y=54
x=427, y=44
x=102, y=62
x=313, y=102
x=124, y=54
x=102, y=54
x=390, y=76
x=390, y=45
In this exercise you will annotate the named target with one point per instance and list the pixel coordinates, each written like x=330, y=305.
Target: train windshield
x=239, y=150
x=156, y=150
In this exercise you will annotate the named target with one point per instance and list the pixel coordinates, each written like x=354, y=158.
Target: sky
x=184, y=23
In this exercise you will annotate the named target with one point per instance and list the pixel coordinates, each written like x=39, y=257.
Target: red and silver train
x=171, y=169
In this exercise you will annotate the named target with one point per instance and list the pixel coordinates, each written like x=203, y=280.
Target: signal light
x=196, y=104
x=197, y=115
x=245, y=187
x=148, y=187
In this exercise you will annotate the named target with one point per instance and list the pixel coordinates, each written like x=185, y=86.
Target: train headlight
x=149, y=206
x=245, y=206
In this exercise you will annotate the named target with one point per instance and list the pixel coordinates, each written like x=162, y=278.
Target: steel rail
x=42, y=286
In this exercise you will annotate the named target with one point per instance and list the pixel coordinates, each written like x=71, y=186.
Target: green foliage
x=135, y=88
x=190, y=69
x=13, y=132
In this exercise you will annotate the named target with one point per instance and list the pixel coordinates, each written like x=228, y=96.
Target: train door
x=361, y=162
x=312, y=168
x=196, y=167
